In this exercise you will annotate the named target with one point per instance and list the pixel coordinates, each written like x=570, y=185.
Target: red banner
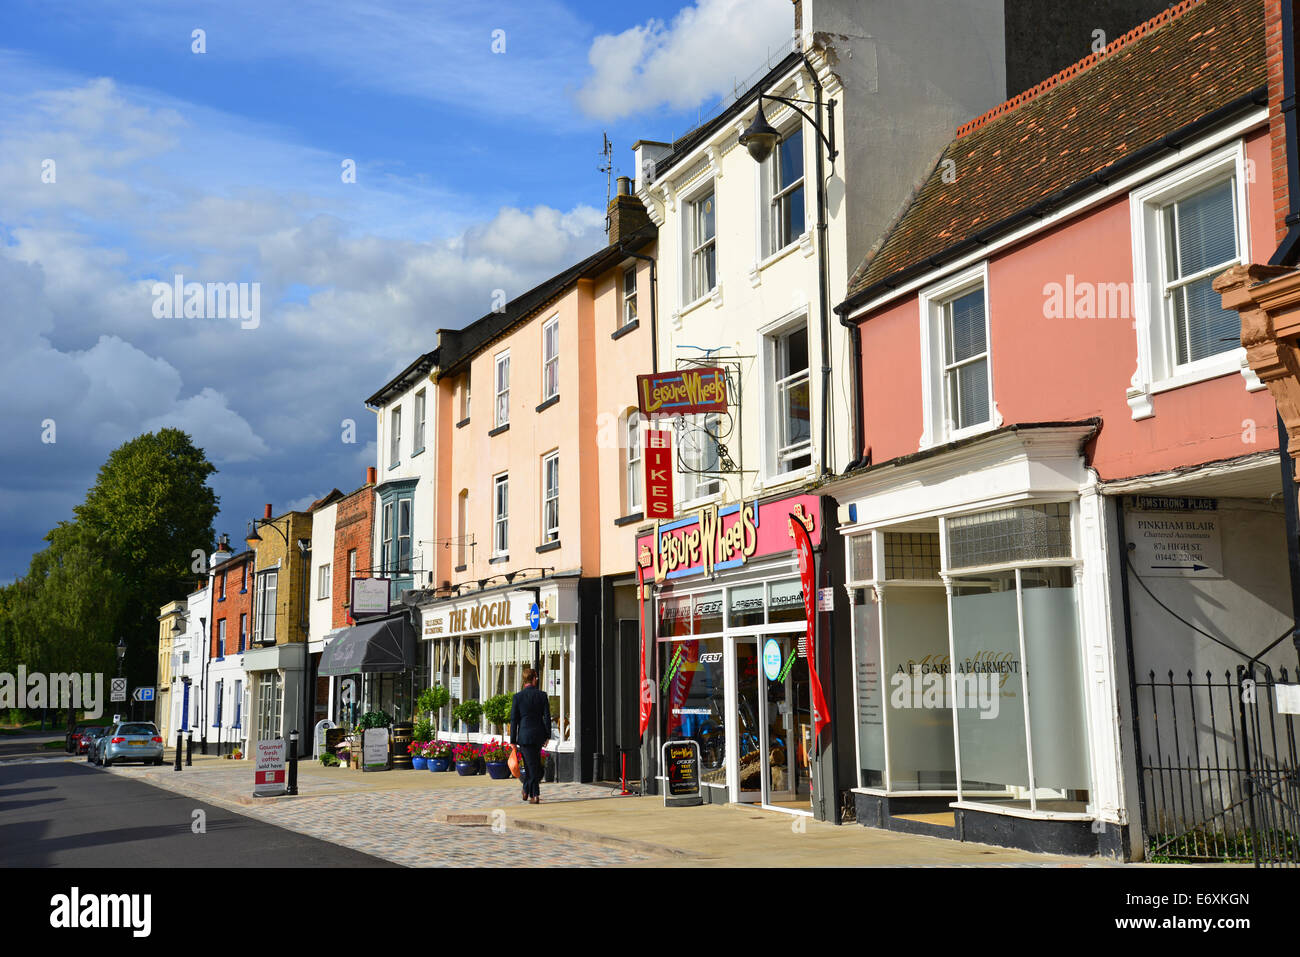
x=808, y=582
x=647, y=689
x=658, y=473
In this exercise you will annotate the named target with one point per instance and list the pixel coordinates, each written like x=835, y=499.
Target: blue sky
x=475, y=170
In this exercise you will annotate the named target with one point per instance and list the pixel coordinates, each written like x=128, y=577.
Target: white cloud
x=345, y=303
x=706, y=48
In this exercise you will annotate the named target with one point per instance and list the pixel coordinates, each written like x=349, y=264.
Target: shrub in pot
x=470, y=712
x=497, y=710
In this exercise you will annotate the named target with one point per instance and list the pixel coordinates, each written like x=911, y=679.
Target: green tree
x=148, y=513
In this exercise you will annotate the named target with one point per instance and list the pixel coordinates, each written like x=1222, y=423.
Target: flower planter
x=439, y=764
x=498, y=770
x=420, y=764
x=466, y=768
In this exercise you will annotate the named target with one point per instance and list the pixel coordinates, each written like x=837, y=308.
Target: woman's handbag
x=513, y=761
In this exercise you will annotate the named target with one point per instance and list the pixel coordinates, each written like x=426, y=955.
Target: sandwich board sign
x=374, y=749
x=682, y=771
x=268, y=776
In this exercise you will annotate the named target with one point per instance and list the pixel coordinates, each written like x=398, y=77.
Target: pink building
x=1068, y=474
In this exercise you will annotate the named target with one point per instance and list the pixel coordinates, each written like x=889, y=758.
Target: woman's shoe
x=535, y=800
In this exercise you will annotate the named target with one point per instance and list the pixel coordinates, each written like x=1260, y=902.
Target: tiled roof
x=1162, y=76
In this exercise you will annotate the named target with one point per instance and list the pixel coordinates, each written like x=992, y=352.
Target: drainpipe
x=823, y=292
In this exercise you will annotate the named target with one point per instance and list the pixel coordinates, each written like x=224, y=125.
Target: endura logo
x=76, y=910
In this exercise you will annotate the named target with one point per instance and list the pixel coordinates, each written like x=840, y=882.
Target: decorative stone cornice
x=1268, y=301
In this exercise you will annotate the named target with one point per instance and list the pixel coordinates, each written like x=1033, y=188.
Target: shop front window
x=1017, y=669
x=785, y=601
x=870, y=699
x=694, y=701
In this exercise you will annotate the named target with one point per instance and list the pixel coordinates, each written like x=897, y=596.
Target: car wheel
x=106, y=763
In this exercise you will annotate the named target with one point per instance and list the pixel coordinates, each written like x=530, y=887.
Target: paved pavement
x=424, y=819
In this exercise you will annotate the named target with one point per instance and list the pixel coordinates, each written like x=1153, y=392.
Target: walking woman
x=530, y=726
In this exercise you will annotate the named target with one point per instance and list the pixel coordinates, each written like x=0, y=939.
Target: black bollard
x=292, y=787
x=179, y=745
x=189, y=749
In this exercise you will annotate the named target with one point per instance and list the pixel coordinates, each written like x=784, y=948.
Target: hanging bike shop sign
x=658, y=473
x=682, y=392
x=682, y=771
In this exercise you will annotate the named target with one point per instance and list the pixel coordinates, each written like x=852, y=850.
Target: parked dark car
x=71, y=739
x=90, y=742
x=130, y=741
x=87, y=736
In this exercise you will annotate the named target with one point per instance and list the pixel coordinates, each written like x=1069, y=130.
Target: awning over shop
x=374, y=647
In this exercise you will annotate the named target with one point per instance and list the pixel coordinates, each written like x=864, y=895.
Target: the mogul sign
x=715, y=539
x=498, y=612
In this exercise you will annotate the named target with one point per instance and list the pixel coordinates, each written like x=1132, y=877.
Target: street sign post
x=117, y=690
x=534, y=621
x=142, y=694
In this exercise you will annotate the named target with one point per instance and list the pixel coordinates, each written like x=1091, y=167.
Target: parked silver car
x=130, y=741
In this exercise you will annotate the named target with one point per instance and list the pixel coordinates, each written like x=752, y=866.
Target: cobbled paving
x=398, y=825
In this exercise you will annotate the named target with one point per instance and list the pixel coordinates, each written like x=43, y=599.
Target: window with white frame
x=502, y=389
x=221, y=638
x=264, y=608
x=551, y=358
x=404, y=535
x=501, y=514
x=243, y=631
x=323, y=581
x=551, y=498
x=352, y=567
x=386, y=536
x=1188, y=227
x=702, y=243
x=791, y=399
x=698, y=455
x=417, y=436
x=464, y=397
x=629, y=295
x=958, y=393
x=395, y=436
x=785, y=192
x=632, y=468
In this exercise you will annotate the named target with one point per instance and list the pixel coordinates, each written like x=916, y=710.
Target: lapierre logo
x=77, y=910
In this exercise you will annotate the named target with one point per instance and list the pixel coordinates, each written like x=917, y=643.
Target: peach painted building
x=1068, y=474
x=529, y=494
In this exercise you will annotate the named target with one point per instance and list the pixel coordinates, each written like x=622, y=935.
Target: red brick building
x=353, y=531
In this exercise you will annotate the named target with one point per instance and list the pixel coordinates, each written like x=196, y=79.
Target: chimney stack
x=268, y=510
x=625, y=215
x=372, y=474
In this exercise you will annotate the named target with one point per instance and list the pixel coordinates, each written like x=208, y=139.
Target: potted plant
x=496, y=756
x=440, y=755
x=548, y=767
x=466, y=756
x=328, y=760
x=237, y=754
x=432, y=700
x=469, y=712
x=497, y=710
x=418, y=752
